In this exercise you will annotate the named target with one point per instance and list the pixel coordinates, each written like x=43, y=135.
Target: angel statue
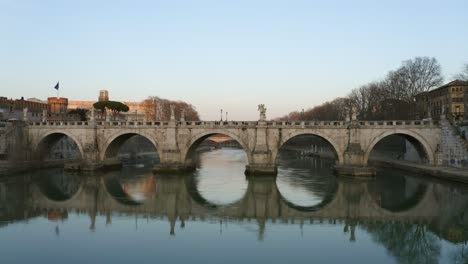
x=262, y=110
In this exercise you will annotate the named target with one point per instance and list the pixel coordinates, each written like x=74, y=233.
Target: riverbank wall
x=444, y=173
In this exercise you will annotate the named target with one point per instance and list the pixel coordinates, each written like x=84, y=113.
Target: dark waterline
x=217, y=215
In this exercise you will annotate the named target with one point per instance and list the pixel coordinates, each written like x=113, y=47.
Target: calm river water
x=218, y=215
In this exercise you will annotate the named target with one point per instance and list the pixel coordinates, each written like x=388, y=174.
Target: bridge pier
x=261, y=169
x=354, y=163
x=262, y=161
x=173, y=167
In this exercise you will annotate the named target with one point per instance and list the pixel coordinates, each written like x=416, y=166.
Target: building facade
x=135, y=113
x=13, y=108
x=57, y=105
x=450, y=99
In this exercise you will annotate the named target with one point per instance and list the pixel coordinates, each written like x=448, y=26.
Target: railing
x=244, y=124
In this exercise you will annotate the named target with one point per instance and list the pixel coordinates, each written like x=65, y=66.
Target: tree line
x=393, y=97
x=159, y=109
x=154, y=109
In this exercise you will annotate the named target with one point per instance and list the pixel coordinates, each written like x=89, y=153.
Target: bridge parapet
x=399, y=123
x=241, y=124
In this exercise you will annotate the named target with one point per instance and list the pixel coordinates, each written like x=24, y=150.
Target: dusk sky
x=232, y=55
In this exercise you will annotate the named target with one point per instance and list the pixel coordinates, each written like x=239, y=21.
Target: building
x=135, y=113
x=57, y=105
x=13, y=108
x=449, y=99
x=103, y=96
x=466, y=103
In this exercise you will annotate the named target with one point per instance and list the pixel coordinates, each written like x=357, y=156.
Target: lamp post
x=226, y=116
x=221, y=115
x=155, y=110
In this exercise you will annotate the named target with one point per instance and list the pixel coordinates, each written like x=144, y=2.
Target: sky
x=231, y=55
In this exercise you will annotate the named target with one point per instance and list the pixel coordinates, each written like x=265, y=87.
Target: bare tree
x=396, y=86
x=463, y=75
x=392, y=97
x=421, y=74
x=366, y=98
x=158, y=109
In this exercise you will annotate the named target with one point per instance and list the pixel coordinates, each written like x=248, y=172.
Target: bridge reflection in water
x=372, y=204
x=409, y=216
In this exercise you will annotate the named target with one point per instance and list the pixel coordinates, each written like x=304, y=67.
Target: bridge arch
x=334, y=145
x=198, y=138
x=406, y=133
x=54, y=136
x=112, y=144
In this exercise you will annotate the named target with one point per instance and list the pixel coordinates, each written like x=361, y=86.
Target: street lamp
x=226, y=116
x=221, y=115
x=155, y=110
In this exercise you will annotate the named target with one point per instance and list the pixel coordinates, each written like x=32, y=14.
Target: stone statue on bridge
x=262, y=109
x=108, y=112
x=353, y=113
x=172, y=112
x=91, y=116
x=44, y=115
x=182, y=115
x=25, y=114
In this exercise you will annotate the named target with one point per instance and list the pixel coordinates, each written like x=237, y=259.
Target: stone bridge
x=178, y=198
x=175, y=141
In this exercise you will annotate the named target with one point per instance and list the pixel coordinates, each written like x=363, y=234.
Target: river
x=218, y=215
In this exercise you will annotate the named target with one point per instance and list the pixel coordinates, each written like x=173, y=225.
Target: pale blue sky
x=233, y=55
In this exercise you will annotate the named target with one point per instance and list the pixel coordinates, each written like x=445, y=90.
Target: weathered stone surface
x=352, y=141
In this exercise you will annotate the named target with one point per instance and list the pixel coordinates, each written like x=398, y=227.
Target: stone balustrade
x=240, y=124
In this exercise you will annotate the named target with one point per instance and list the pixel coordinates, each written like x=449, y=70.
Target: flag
x=56, y=86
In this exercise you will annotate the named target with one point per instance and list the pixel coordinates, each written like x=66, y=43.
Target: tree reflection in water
x=460, y=254
x=408, y=243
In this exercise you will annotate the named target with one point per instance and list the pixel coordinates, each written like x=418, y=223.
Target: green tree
x=80, y=112
x=114, y=106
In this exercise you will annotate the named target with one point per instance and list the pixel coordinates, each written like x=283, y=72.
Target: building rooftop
x=452, y=83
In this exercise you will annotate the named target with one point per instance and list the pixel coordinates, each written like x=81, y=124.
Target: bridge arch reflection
x=58, y=186
x=177, y=197
x=130, y=187
x=317, y=198
x=397, y=193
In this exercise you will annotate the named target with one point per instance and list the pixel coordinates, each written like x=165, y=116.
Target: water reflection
x=58, y=185
x=412, y=218
x=408, y=243
x=395, y=192
x=306, y=184
x=130, y=187
x=220, y=180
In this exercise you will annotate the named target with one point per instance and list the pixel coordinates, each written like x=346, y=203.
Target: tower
x=103, y=96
